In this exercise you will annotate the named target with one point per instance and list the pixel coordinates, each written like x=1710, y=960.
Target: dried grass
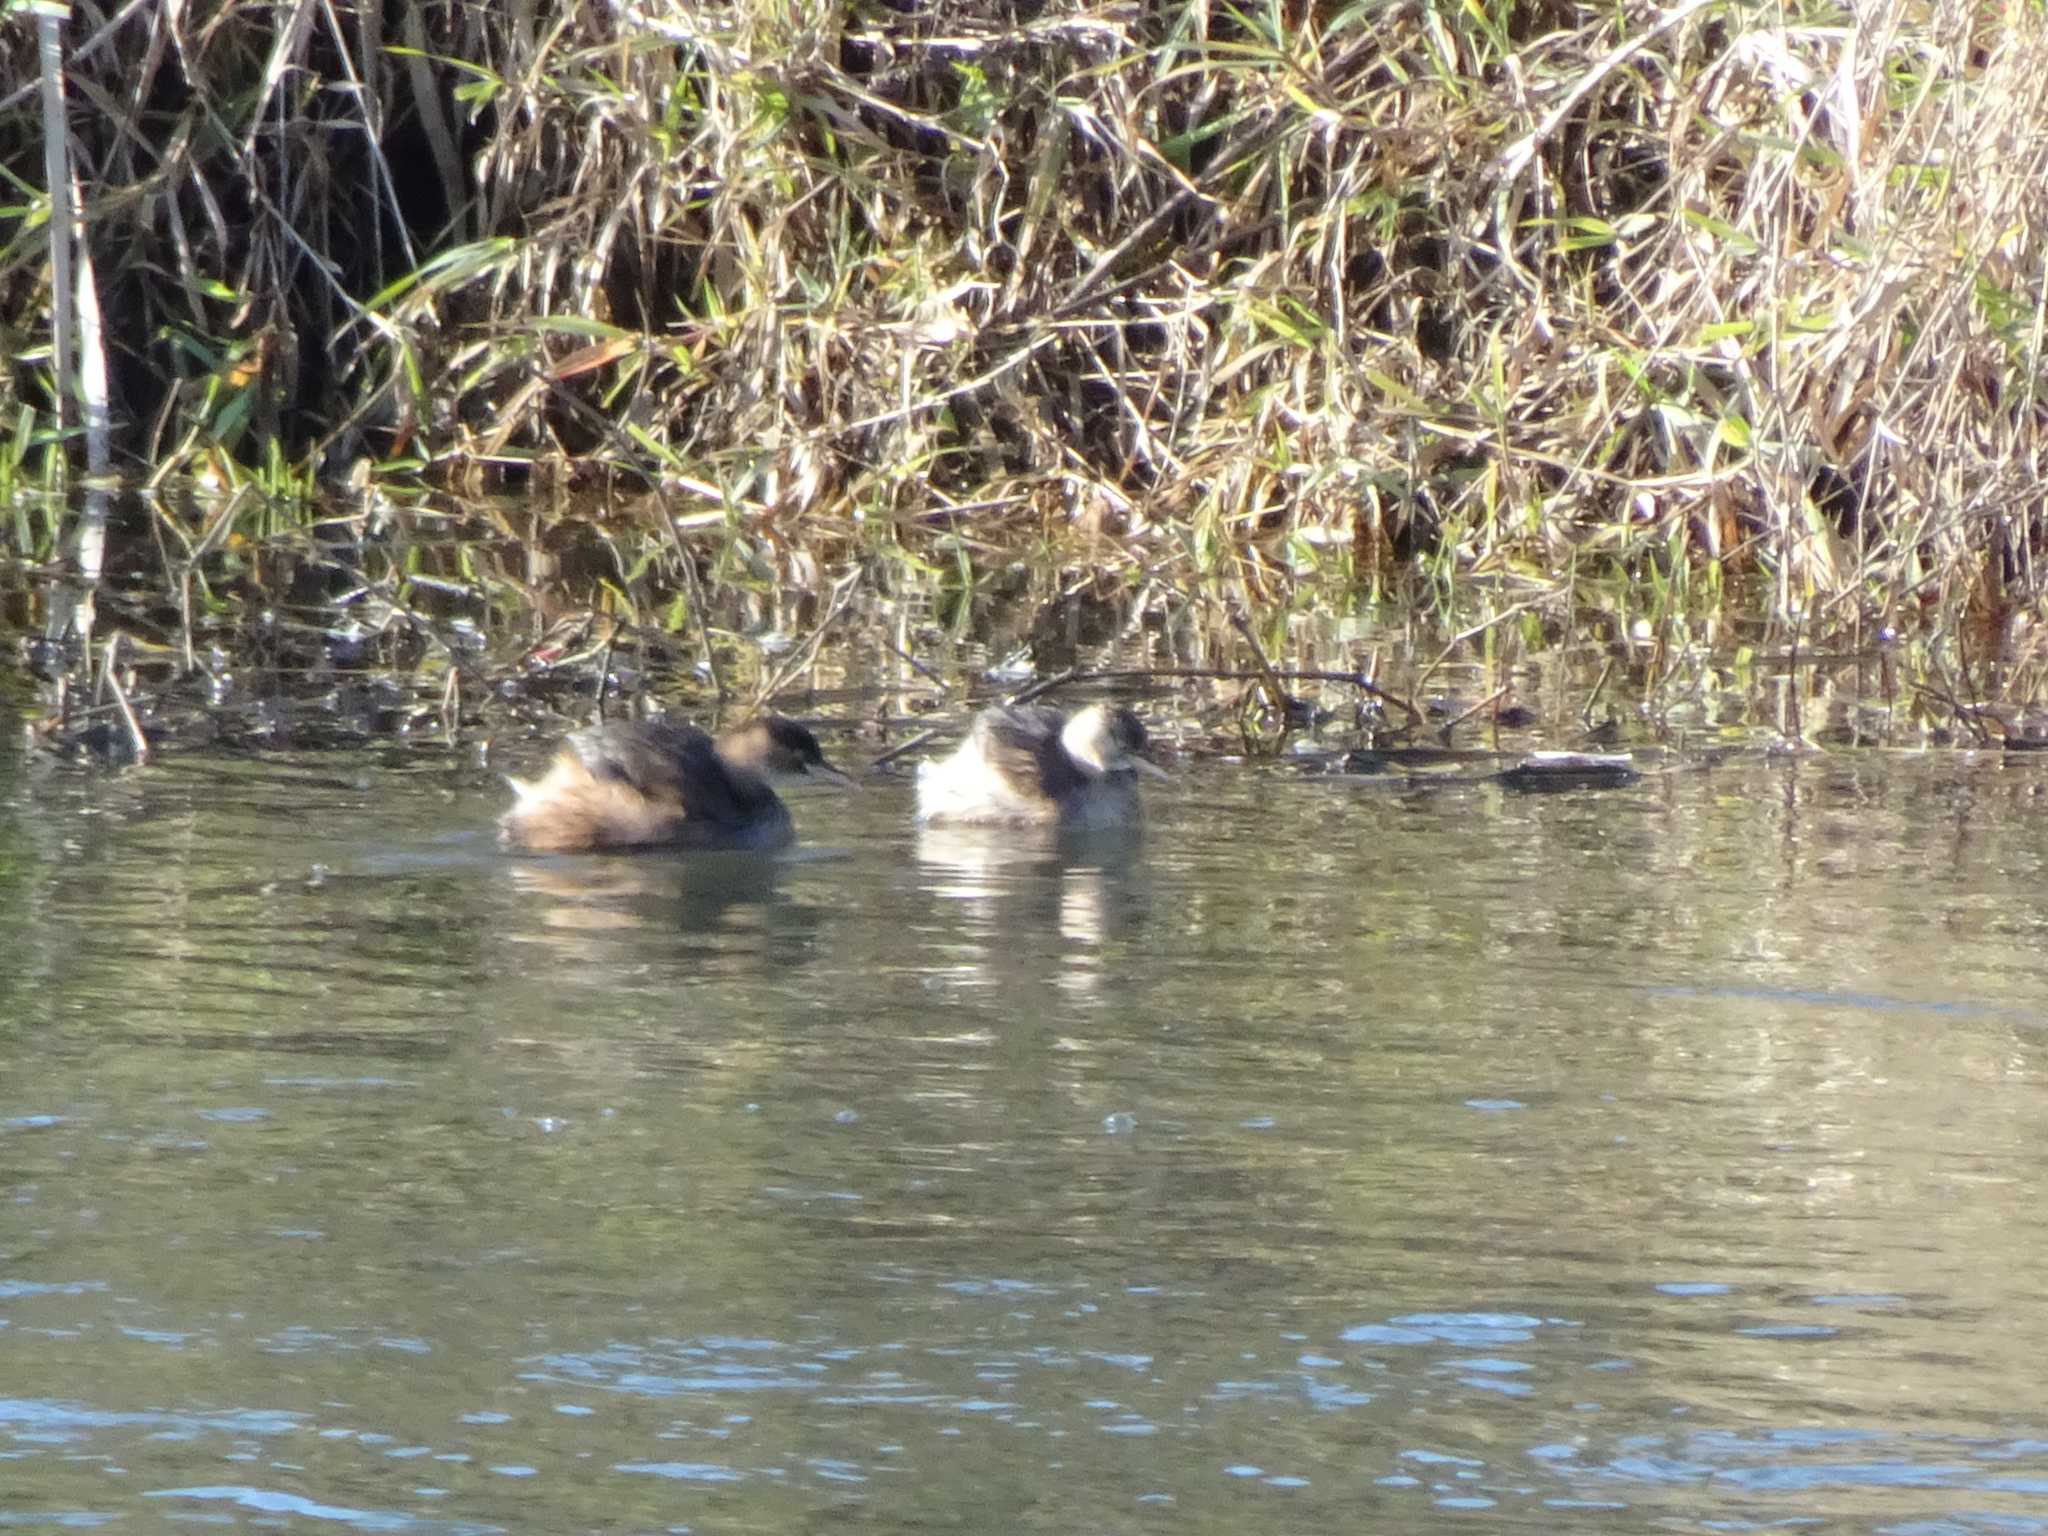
x=1704, y=298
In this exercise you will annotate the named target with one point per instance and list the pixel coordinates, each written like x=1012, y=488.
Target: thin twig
x=604, y=667
x=1600, y=682
x=909, y=745
x=136, y=739
x=1971, y=716
x=1474, y=632
x=802, y=655
x=1046, y=685
x=1275, y=694
x=932, y=674
x=1491, y=699
x=451, y=703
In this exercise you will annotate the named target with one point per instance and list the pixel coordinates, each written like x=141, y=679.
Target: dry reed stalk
x=1751, y=303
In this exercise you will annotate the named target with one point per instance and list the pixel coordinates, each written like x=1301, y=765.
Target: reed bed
x=1721, y=319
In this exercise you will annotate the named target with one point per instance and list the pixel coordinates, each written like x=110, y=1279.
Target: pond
x=1341, y=1154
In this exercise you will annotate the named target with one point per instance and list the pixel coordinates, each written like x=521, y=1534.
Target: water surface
x=1335, y=1155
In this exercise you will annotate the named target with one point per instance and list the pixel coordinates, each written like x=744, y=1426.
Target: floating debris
x=1377, y=760
x=1543, y=771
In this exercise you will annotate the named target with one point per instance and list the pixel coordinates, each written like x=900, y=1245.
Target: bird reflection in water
x=1014, y=884
x=602, y=913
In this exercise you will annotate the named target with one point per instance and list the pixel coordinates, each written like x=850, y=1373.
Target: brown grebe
x=662, y=784
x=1031, y=764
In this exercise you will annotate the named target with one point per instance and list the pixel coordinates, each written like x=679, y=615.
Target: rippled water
x=1336, y=1157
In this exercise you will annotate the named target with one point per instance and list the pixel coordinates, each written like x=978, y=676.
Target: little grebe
x=662, y=784
x=1028, y=763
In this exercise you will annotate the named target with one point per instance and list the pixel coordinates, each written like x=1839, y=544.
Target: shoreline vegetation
x=1634, y=359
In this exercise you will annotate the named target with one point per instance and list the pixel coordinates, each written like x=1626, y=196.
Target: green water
x=1333, y=1158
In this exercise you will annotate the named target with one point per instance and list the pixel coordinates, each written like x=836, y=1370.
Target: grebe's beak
x=1146, y=765
x=825, y=773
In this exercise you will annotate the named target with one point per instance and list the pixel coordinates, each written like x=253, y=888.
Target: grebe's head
x=780, y=749
x=1108, y=738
